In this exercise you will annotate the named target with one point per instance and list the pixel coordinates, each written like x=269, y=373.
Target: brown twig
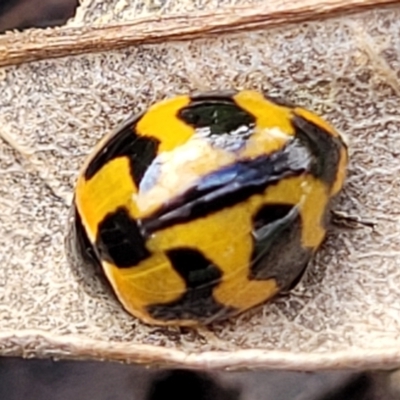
x=39, y=344
x=31, y=45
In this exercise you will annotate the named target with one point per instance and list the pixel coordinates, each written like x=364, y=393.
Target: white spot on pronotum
x=276, y=133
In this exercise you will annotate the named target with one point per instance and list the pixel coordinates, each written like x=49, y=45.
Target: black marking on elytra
x=278, y=100
x=220, y=115
x=201, y=276
x=277, y=250
x=229, y=186
x=269, y=214
x=140, y=150
x=119, y=240
x=323, y=146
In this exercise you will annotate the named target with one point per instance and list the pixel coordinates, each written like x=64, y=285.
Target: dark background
x=47, y=379
x=65, y=380
x=21, y=14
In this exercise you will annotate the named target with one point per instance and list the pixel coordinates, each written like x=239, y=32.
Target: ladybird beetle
x=206, y=205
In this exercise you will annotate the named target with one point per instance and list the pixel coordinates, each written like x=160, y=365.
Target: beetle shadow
x=83, y=262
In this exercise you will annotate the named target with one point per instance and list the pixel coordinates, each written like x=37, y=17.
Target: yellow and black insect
x=207, y=205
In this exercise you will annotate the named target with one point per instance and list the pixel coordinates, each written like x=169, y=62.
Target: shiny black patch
x=279, y=101
x=277, y=251
x=231, y=185
x=201, y=277
x=141, y=151
x=324, y=147
x=220, y=115
x=270, y=213
x=119, y=240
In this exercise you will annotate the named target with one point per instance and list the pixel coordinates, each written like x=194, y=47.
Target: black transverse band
x=230, y=185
